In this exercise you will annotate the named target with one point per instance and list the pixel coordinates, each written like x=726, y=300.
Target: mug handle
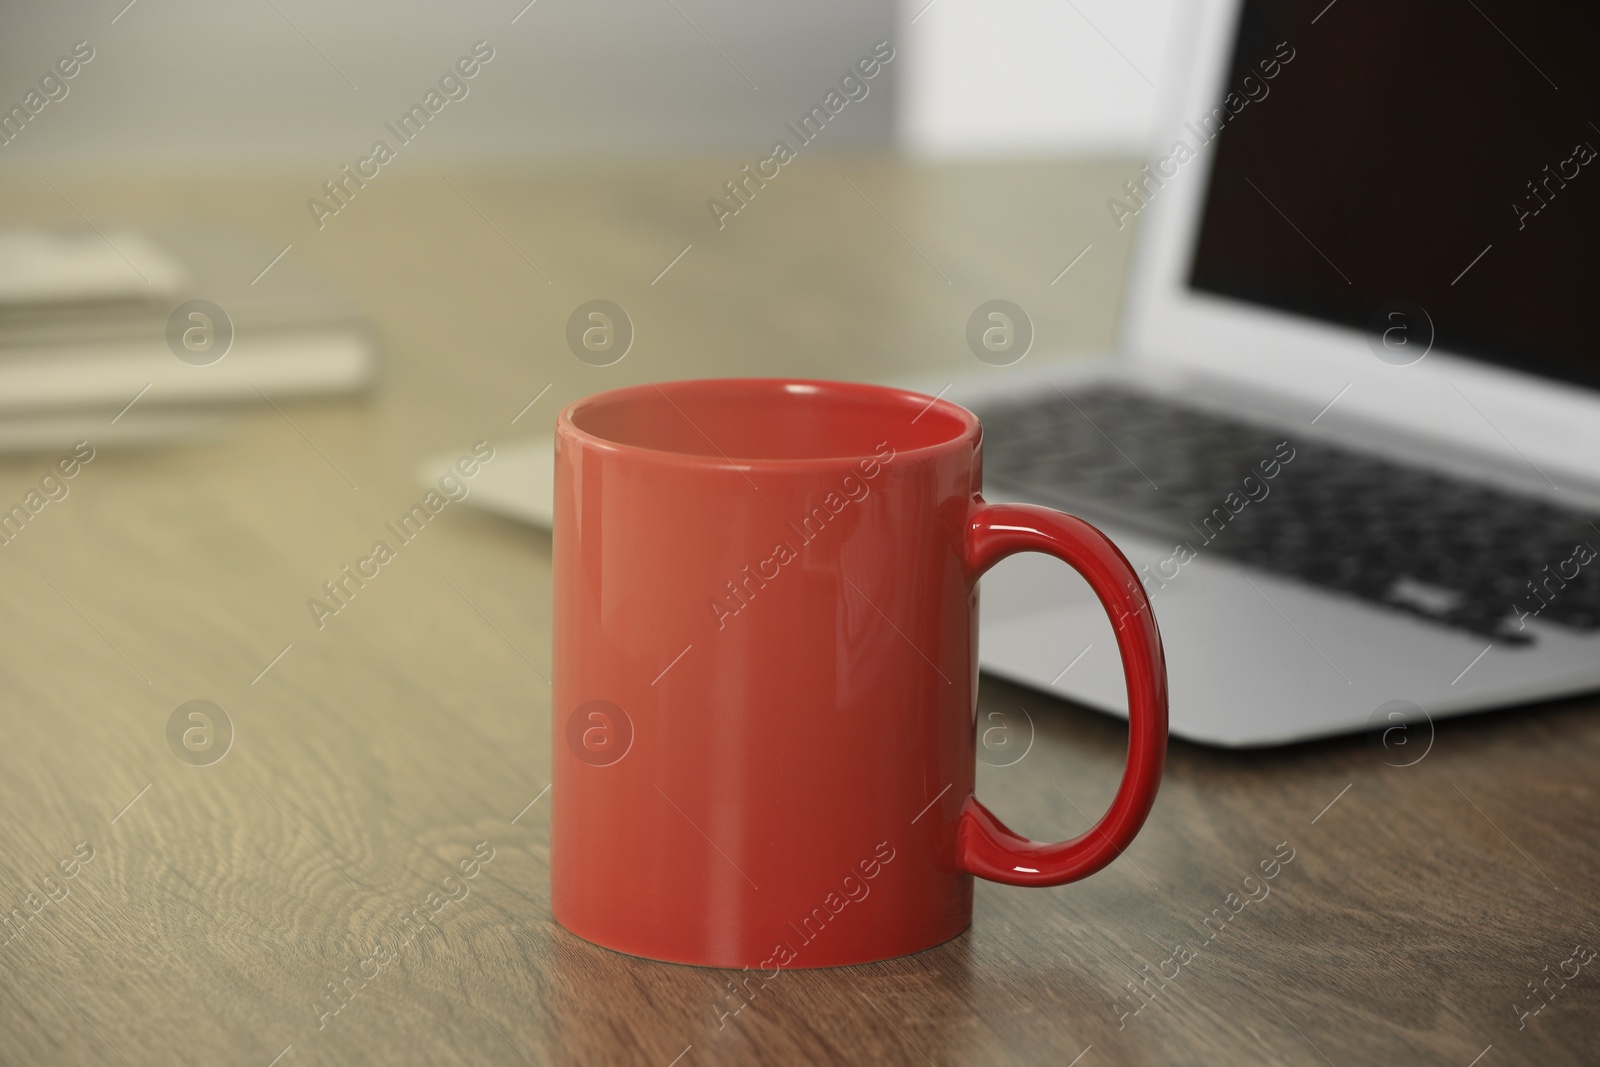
x=984, y=845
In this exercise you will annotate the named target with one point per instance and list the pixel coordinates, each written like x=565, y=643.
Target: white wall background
x=201, y=84
x=1031, y=77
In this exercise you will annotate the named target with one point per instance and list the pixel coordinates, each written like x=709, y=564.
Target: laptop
x=1351, y=438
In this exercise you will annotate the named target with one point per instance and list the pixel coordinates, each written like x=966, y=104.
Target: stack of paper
x=140, y=336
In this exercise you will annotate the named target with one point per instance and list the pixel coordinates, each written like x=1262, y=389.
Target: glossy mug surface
x=766, y=674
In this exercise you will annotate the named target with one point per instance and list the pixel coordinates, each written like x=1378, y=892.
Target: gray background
x=209, y=85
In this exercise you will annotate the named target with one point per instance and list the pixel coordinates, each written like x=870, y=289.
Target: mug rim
x=970, y=433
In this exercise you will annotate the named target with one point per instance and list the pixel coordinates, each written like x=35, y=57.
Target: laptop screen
x=1414, y=165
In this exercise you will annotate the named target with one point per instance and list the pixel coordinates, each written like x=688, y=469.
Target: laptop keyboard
x=1457, y=552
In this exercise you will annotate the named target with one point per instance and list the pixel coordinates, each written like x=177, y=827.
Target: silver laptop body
x=1257, y=656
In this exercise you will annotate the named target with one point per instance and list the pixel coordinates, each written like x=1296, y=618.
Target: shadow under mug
x=766, y=673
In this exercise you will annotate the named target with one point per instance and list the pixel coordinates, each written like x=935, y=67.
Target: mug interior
x=756, y=419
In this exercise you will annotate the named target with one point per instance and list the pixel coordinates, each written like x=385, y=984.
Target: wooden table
x=222, y=913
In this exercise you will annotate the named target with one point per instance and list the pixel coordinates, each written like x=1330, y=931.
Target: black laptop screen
x=1377, y=156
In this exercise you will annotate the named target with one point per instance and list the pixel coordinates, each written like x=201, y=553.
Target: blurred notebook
x=520, y=484
x=86, y=327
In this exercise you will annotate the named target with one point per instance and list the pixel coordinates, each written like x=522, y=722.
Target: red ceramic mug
x=766, y=674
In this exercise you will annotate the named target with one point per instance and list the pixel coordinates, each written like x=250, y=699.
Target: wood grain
x=222, y=913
